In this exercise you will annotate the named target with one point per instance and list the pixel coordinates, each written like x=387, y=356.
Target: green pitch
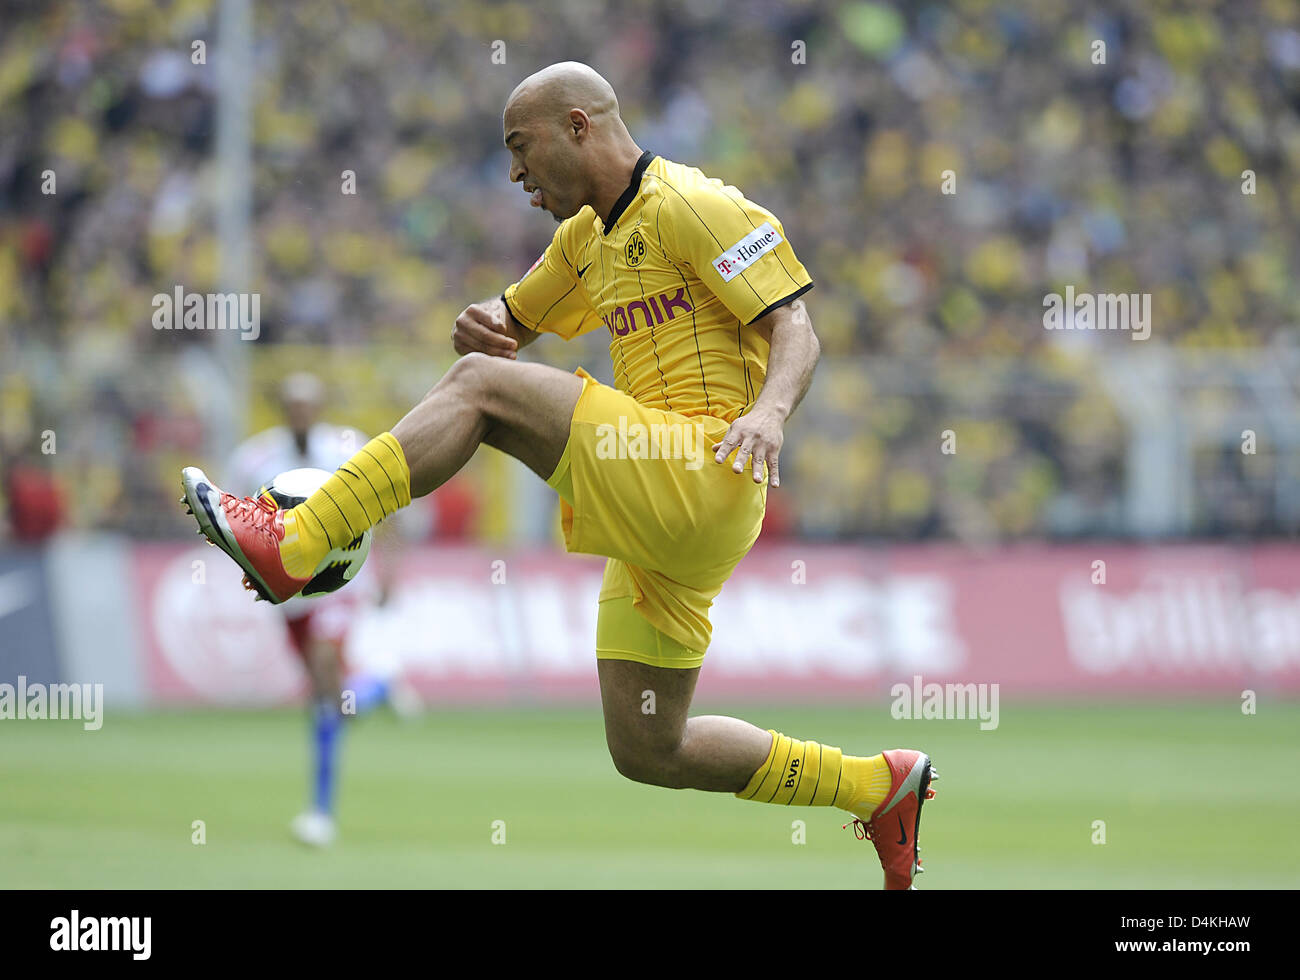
x=1191, y=796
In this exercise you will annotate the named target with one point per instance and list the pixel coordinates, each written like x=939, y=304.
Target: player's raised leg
x=665, y=747
x=523, y=409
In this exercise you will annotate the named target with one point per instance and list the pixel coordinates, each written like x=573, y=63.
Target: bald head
x=557, y=88
x=567, y=142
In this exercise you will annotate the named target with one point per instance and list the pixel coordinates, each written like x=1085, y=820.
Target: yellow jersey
x=685, y=266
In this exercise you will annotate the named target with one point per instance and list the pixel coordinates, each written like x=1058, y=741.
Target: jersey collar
x=625, y=200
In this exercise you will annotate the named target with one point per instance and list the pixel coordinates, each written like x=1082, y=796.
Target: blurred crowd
x=939, y=167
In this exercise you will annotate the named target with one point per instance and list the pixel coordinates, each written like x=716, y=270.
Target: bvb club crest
x=635, y=250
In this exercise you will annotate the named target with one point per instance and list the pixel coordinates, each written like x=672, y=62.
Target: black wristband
x=509, y=312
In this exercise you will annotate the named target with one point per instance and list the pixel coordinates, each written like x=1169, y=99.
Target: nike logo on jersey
x=583, y=270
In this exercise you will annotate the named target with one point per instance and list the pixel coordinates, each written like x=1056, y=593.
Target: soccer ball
x=341, y=565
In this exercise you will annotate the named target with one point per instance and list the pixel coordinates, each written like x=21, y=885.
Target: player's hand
x=757, y=438
x=483, y=328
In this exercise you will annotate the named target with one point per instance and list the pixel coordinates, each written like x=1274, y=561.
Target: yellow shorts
x=639, y=485
x=622, y=633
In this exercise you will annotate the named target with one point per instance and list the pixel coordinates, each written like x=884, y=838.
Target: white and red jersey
x=261, y=458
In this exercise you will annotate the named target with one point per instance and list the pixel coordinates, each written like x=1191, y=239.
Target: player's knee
x=472, y=376
x=634, y=767
x=654, y=766
x=626, y=762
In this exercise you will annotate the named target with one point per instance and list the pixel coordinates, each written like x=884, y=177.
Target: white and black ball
x=341, y=565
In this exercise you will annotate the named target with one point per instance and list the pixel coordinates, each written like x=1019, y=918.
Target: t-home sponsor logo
x=946, y=702
x=747, y=251
x=636, y=440
x=179, y=310
x=53, y=702
x=102, y=934
x=1098, y=311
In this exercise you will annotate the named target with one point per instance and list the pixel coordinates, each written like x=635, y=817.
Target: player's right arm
x=490, y=328
x=548, y=298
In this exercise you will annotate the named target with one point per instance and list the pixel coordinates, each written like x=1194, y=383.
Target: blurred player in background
x=318, y=627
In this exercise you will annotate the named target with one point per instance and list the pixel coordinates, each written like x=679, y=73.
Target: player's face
x=545, y=162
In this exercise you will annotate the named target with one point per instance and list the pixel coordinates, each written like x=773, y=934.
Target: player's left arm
x=758, y=434
x=739, y=251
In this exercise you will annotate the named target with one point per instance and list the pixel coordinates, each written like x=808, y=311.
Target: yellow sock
x=362, y=492
x=811, y=774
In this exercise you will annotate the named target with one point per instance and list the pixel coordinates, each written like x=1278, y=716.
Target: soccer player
x=317, y=627
x=712, y=346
